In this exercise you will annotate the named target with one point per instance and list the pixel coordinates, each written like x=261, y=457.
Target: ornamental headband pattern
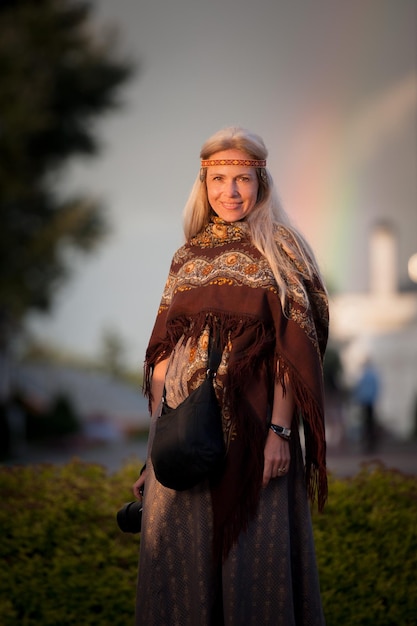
x=247, y=162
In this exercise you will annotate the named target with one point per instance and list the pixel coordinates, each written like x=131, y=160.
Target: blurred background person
x=365, y=394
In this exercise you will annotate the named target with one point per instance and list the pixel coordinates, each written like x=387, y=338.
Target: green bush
x=366, y=543
x=63, y=561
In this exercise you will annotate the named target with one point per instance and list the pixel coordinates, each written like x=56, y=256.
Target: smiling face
x=232, y=190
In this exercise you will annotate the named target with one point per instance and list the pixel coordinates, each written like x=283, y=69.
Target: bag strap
x=215, y=355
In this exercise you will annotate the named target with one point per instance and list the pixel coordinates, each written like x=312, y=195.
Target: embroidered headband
x=247, y=162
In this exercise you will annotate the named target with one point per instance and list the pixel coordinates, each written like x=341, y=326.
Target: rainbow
x=326, y=184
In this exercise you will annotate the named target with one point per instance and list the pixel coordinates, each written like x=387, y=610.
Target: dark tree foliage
x=57, y=76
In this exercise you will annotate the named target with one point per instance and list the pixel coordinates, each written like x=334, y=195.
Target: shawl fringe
x=185, y=327
x=233, y=515
x=314, y=432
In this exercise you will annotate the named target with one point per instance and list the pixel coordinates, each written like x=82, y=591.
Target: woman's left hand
x=138, y=486
x=277, y=457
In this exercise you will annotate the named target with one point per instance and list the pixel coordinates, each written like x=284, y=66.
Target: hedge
x=64, y=562
x=366, y=543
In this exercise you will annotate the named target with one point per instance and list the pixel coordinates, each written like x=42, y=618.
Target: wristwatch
x=281, y=431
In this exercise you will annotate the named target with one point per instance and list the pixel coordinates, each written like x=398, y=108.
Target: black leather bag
x=188, y=445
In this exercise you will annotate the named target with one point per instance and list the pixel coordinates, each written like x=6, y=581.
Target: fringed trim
x=251, y=433
x=316, y=480
x=237, y=496
x=247, y=504
x=314, y=432
x=224, y=324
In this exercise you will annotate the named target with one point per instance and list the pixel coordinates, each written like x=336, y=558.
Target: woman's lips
x=231, y=205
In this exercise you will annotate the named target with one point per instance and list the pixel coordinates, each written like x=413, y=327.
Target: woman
x=239, y=551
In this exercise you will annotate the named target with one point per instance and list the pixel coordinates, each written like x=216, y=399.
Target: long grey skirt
x=269, y=577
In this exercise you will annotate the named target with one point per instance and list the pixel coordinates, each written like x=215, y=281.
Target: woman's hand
x=277, y=450
x=276, y=457
x=139, y=485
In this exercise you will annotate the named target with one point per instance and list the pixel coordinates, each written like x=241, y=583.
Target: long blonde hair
x=264, y=218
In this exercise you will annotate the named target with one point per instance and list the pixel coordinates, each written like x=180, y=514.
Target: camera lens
x=129, y=518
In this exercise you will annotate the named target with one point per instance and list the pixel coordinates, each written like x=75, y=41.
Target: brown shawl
x=219, y=279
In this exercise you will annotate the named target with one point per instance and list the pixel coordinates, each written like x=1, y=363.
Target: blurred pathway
x=343, y=461
x=348, y=459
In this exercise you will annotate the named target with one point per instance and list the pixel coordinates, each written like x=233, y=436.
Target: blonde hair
x=263, y=219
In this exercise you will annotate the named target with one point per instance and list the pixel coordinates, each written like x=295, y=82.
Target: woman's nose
x=231, y=189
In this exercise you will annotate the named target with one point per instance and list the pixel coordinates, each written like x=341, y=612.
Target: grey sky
x=330, y=85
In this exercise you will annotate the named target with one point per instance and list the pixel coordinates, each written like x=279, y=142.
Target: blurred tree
x=57, y=76
x=113, y=353
x=58, y=420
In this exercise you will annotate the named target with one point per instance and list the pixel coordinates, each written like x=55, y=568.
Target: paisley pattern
x=232, y=268
x=244, y=265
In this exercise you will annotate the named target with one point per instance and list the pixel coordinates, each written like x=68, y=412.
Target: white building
x=382, y=324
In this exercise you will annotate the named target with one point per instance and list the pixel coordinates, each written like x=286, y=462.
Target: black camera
x=129, y=518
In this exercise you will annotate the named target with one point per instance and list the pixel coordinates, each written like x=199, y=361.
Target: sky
x=330, y=85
